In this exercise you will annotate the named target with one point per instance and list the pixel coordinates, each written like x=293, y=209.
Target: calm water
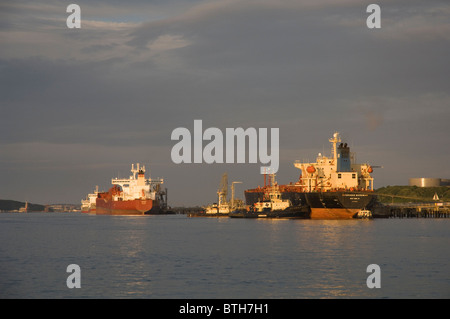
x=179, y=257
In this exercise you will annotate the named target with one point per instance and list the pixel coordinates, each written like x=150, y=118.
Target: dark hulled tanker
x=333, y=187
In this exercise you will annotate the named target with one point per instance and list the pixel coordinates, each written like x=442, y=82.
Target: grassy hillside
x=10, y=205
x=406, y=194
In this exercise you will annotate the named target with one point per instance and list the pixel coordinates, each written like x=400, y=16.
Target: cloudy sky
x=78, y=106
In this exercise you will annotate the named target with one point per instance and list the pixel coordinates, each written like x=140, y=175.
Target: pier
x=419, y=210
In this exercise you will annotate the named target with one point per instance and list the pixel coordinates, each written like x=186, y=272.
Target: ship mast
x=137, y=170
x=334, y=140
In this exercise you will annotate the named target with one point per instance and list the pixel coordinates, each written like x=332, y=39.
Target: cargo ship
x=333, y=187
x=135, y=195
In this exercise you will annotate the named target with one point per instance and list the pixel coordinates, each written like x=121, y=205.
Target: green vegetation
x=11, y=205
x=406, y=194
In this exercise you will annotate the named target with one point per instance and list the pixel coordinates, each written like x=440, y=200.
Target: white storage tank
x=425, y=182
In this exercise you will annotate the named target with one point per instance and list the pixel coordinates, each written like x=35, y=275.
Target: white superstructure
x=337, y=172
x=273, y=201
x=90, y=201
x=137, y=187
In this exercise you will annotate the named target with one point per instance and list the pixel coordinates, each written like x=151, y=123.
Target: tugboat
x=273, y=206
x=364, y=214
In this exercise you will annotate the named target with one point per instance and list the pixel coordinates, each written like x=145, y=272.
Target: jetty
x=419, y=210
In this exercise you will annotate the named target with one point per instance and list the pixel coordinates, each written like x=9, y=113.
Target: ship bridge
x=138, y=187
x=337, y=172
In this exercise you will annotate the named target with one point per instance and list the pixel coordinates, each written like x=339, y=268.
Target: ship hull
x=324, y=205
x=333, y=213
x=208, y=214
x=129, y=207
x=289, y=213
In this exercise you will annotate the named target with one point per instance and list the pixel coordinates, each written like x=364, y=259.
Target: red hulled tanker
x=133, y=196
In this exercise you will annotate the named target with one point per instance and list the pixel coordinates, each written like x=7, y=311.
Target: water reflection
x=178, y=257
x=128, y=256
x=323, y=254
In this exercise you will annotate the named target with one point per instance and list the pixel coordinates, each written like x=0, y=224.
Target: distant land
x=7, y=205
x=12, y=205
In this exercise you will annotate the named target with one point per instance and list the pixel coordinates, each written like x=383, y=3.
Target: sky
x=79, y=106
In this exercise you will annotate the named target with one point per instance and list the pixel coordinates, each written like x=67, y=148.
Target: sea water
x=174, y=256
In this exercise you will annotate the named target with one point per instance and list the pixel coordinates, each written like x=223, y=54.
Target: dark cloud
x=111, y=92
